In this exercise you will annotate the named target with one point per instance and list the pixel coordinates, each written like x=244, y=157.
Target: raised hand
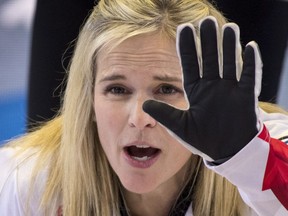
x=222, y=116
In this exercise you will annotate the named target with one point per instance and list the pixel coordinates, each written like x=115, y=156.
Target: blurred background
x=15, y=31
x=16, y=27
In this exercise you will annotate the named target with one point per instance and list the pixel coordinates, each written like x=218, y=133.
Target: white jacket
x=246, y=170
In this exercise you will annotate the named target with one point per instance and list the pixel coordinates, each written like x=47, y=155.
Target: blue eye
x=167, y=89
x=117, y=90
x=168, y=93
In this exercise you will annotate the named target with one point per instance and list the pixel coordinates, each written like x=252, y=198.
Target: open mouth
x=141, y=152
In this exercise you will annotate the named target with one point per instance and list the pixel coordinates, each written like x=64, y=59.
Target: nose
x=140, y=119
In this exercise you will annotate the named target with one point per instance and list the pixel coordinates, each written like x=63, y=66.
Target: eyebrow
x=113, y=78
x=167, y=78
x=164, y=78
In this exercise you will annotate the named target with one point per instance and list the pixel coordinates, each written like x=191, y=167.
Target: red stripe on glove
x=276, y=173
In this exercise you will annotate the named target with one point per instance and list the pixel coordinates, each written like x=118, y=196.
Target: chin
x=139, y=184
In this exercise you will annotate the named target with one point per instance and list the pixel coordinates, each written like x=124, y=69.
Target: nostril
x=138, y=118
x=142, y=121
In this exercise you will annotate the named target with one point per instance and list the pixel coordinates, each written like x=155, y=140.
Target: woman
x=103, y=155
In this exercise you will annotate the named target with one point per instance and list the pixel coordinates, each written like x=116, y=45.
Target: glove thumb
x=167, y=115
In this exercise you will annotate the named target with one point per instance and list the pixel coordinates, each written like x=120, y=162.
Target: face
x=141, y=152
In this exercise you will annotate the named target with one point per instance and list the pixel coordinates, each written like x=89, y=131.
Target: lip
x=141, y=164
x=138, y=142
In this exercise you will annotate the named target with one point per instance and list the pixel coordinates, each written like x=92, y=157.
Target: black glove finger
x=188, y=55
x=229, y=53
x=171, y=117
x=247, y=79
x=209, y=47
x=251, y=77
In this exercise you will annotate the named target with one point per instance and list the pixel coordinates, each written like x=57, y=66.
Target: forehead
x=148, y=47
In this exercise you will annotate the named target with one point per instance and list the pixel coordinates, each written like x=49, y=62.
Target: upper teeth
x=142, y=146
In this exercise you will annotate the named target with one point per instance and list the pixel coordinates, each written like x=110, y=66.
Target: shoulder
x=13, y=162
x=16, y=177
x=277, y=124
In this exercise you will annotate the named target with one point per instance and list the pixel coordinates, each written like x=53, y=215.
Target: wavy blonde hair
x=79, y=173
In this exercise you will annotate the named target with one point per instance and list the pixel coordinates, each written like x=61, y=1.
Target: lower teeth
x=141, y=158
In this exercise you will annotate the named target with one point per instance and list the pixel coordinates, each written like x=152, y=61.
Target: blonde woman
x=104, y=155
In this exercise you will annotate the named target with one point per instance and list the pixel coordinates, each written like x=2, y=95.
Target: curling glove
x=222, y=92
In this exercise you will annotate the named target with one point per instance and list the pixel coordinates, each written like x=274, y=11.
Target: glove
x=222, y=116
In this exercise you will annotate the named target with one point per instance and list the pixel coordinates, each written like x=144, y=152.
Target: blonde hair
x=79, y=171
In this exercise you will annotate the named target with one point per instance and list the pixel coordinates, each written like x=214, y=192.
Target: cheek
x=181, y=102
x=109, y=123
x=104, y=120
x=184, y=103
x=181, y=155
x=178, y=154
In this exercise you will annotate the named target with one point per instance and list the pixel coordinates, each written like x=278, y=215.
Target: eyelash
x=169, y=87
x=114, y=89
x=122, y=90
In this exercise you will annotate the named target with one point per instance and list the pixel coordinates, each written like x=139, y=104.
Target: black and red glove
x=222, y=93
